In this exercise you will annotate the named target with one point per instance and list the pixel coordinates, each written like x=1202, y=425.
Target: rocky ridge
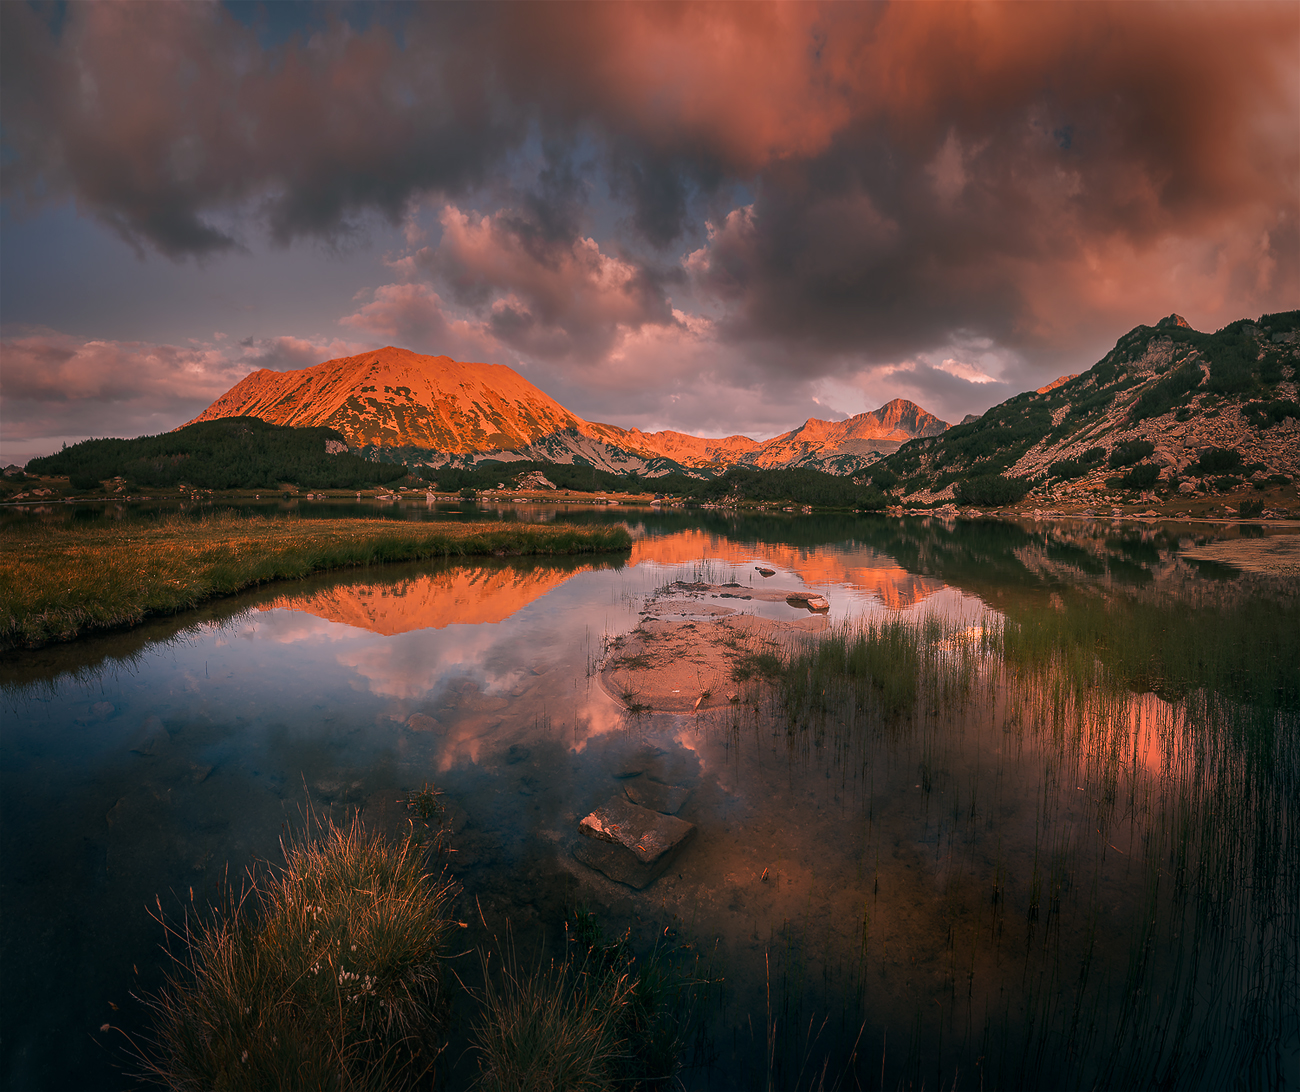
x=440, y=412
x=1166, y=392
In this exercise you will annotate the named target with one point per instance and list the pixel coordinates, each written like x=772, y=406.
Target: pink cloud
x=568, y=282
x=57, y=388
x=413, y=316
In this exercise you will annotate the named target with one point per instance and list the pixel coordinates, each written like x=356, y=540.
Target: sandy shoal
x=685, y=653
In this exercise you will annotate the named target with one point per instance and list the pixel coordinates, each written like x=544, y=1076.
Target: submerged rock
x=152, y=739
x=638, y=761
x=631, y=844
x=655, y=795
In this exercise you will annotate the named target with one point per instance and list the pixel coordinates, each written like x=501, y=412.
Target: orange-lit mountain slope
x=690, y=450
x=466, y=595
x=880, y=430
x=396, y=398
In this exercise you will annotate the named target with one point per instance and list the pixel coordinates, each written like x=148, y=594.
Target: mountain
x=882, y=430
x=396, y=398
x=438, y=411
x=1169, y=407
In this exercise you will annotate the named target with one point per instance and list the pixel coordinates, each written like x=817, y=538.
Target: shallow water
x=855, y=897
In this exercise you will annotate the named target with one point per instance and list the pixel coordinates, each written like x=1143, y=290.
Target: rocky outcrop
x=1167, y=386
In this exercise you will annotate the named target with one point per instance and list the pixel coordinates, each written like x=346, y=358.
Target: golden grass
x=329, y=974
x=58, y=582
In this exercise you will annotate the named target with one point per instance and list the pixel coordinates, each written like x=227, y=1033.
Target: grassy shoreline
x=58, y=583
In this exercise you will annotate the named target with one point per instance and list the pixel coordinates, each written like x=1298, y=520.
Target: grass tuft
x=598, y=1019
x=326, y=974
x=554, y=1029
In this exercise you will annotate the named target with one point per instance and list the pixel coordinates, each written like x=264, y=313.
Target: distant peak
x=1173, y=320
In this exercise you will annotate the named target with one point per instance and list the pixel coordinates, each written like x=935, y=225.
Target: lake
x=1067, y=855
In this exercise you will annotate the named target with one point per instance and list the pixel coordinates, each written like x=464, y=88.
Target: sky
x=717, y=219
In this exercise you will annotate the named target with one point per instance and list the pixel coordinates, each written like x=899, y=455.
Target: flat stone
x=655, y=795
x=620, y=862
x=648, y=834
x=810, y=600
x=765, y=572
x=616, y=862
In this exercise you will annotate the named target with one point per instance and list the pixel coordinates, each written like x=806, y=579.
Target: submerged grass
x=596, y=1020
x=327, y=974
x=58, y=582
x=553, y=1029
x=1167, y=769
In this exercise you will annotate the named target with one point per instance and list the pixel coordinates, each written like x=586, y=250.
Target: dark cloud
x=167, y=120
x=952, y=202
x=1039, y=176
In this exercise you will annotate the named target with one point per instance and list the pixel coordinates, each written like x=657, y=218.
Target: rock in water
x=649, y=793
x=811, y=600
x=631, y=844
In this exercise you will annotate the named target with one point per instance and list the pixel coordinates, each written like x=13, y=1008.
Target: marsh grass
x=756, y=665
x=555, y=1028
x=596, y=1019
x=326, y=973
x=1166, y=772
x=59, y=581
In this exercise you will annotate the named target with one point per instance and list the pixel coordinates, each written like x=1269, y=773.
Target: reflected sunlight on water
x=925, y=881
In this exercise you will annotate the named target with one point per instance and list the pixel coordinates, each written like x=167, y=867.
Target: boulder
x=765, y=572
x=656, y=795
x=631, y=844
x=1186, y=487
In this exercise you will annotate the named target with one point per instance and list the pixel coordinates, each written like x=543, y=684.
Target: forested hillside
x=797, y=486
x=229, y=453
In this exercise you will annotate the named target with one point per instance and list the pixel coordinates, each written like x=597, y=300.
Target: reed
x=1166, y=773
x=597, y=1019
x=327, y=973
x=552, y=1029
x=58, y=582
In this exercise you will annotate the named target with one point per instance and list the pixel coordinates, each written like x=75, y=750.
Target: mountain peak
x=396, y=398
x=393, y=397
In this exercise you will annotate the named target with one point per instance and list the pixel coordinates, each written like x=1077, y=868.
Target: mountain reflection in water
x=473, y=594
x=467, y=595
x=864, y=874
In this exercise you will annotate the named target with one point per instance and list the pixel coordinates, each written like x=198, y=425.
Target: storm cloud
x=955, y=201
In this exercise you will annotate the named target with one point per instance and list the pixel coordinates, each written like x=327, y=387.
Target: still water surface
x=853, y=903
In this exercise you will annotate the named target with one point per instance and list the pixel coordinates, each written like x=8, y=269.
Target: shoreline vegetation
x=60, y=582
x=336, y=970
